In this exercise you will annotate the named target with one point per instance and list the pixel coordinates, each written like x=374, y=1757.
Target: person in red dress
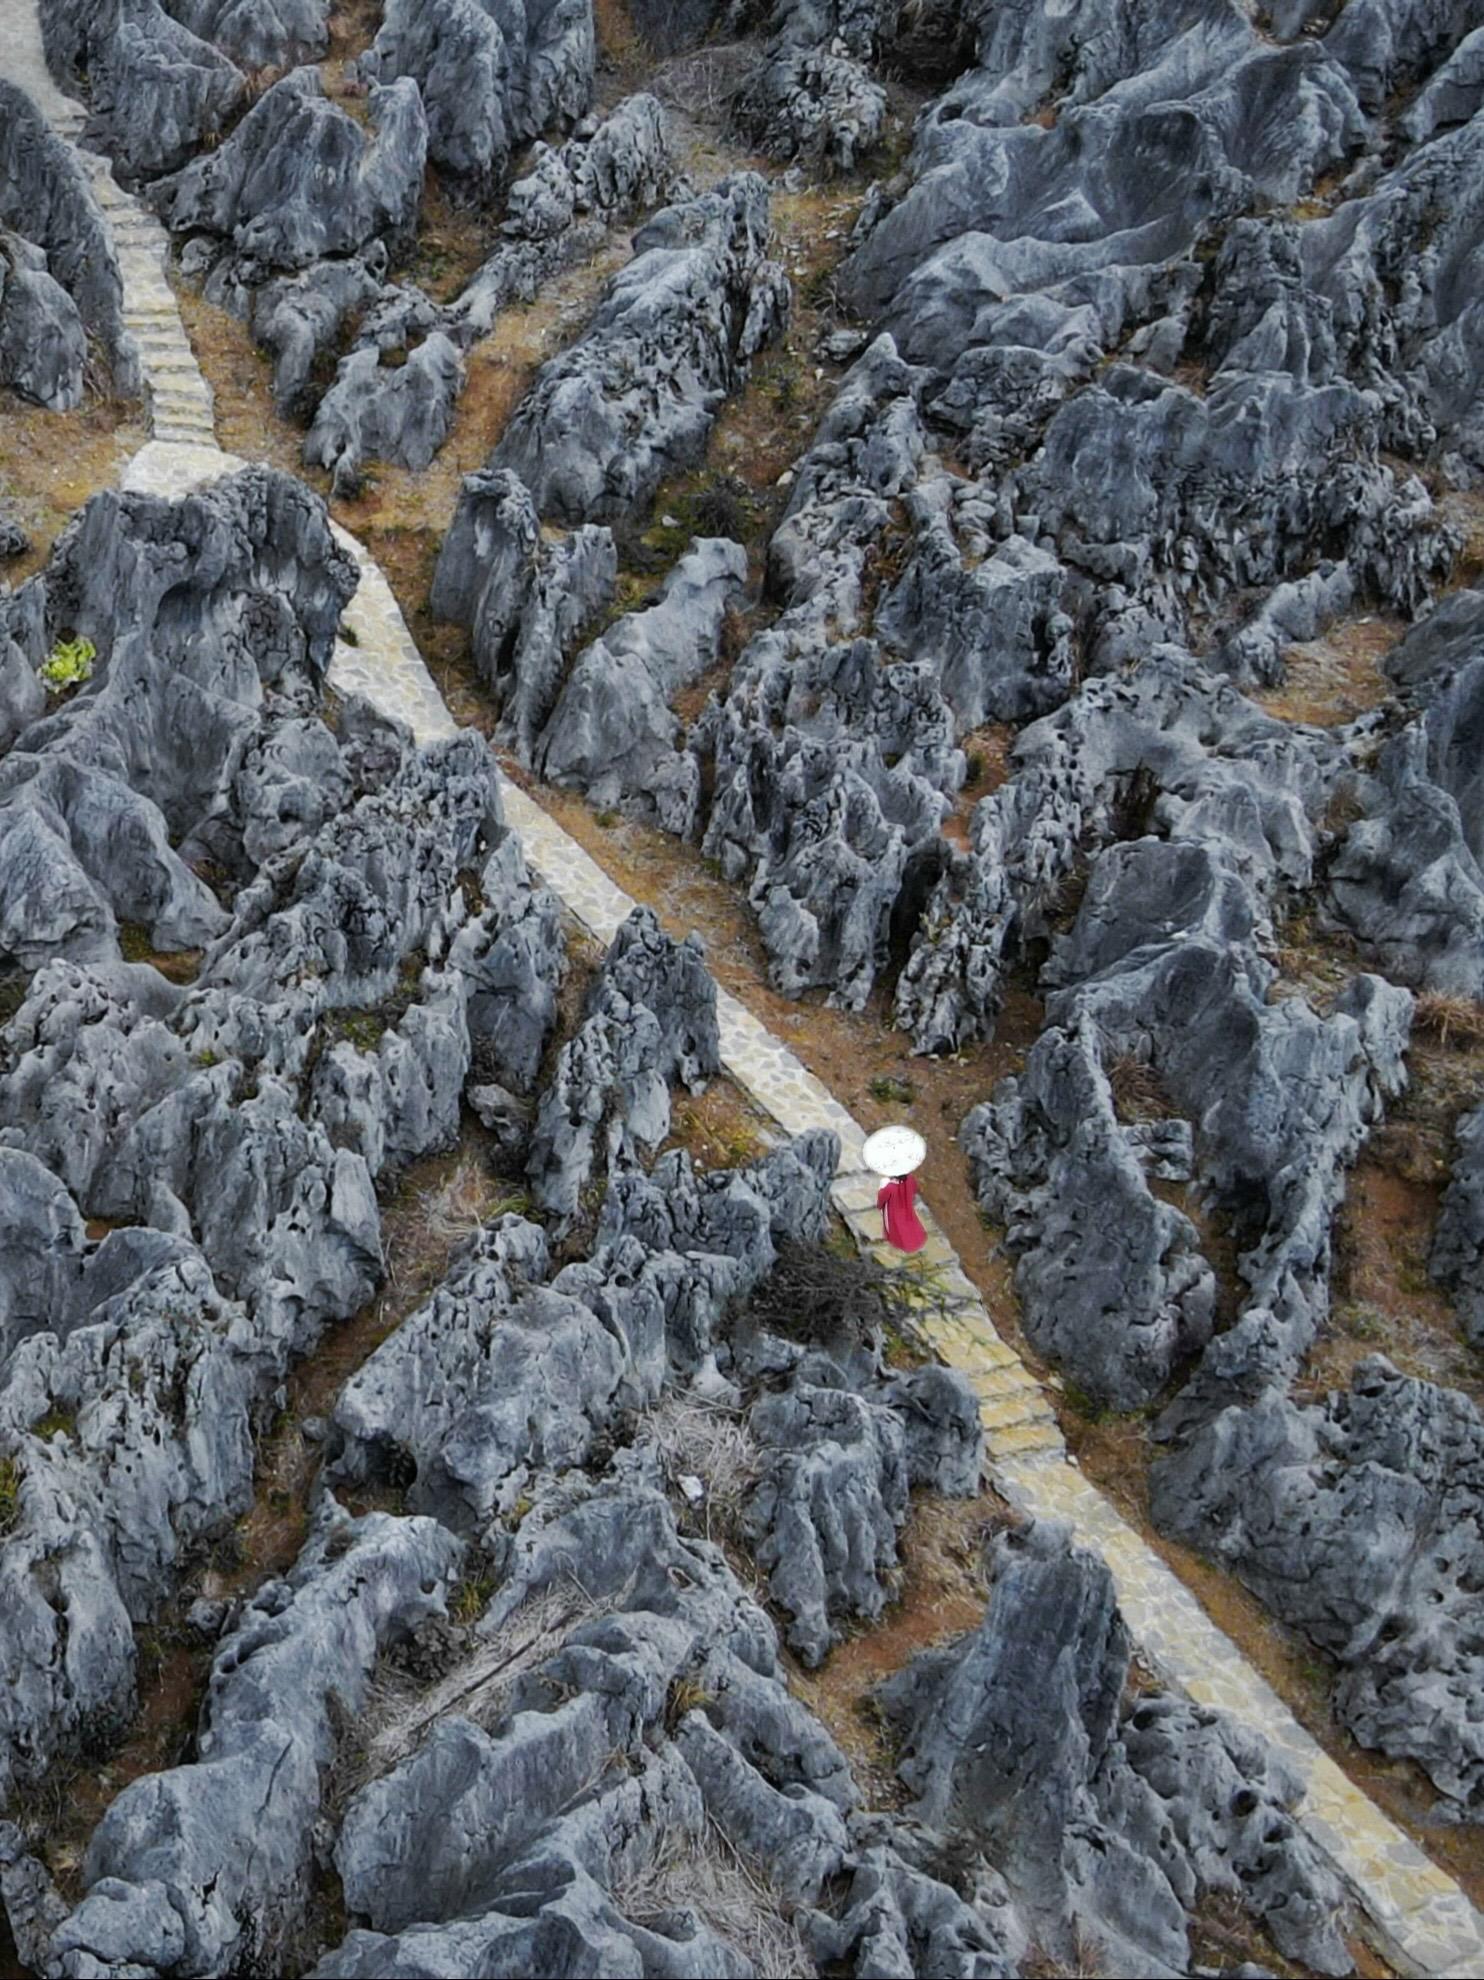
x=903, y=1225
x=894, y=1152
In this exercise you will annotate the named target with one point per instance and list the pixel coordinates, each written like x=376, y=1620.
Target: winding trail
x=1421, y=1921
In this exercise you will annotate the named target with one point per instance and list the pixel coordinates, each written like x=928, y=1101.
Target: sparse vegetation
x=704, y=1440
x=10, y=1493
x=56, y=1421
x=1450, y=1018
x=890, y=1090
x=706, y=1875
x=467, y=1603
x=69, y=664
x=1138, y=1094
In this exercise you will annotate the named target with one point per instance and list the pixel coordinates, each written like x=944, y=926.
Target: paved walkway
x=1422, y=1922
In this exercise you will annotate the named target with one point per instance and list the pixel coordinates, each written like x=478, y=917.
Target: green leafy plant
x=10, y=1493
x=69, y=664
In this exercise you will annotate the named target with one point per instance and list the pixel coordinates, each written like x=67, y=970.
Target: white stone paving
x=1421, y=1920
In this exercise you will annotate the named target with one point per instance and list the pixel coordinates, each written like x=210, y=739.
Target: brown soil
x=52, y=462
x=942, y=1595
x=1332, y=680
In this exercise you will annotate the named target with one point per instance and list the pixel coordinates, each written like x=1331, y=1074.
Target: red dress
x=903, y=1225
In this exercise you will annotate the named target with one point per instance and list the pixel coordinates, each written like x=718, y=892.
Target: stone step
x=1000, y=1413
x=1024, y=1440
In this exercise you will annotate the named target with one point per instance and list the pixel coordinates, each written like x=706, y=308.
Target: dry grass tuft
x=706, y=83
x=710, y=1442
x=706, y=1875
x=1138, y=1093
x=1450, y=1018
x=464, y=1202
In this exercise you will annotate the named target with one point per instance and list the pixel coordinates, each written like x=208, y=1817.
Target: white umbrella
x=894, y=1151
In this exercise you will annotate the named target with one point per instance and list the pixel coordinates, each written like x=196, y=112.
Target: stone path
x=1423, y=1923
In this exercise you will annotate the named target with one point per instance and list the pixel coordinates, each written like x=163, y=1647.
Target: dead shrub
x=1449, y=1017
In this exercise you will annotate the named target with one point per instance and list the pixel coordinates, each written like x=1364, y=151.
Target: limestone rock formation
x=634, y=399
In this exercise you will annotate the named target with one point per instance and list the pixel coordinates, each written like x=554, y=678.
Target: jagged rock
x=633, y=400
x=1457, y=1257
x=290, y=782
x=258, y=34
x=43, y=348
x=298, y=179
x=197, y=611
x=126, y=1419
x=400, y=413
x=205, y=1863
x=816, y=103
x=823, y=1519
x=512, y=956
x=525, y=598
x=650, y=1020
x=1355, y=1520
x=30, y=1900
x=299, y=319
x=1111, y=1282
x=1107, y=1823
x=624, y=164
x=489, y=79
x=1217, y=769
x=156, y=91
x=612, y=726
x=402, y=1101
x=1280, y=1099
x=510, y=1796
x=45, y=198
x=1408, y=880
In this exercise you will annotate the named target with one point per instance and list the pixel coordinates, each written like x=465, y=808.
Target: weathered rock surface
x=43, y=346
x=395, y=391
x=401, y=414
x=1356, y=1521
x=611, y=726
x=1107, y=1822
x=157, y=92
x=490, y=78
x=45, y=198
x=1457, y=1257
x=204, y=1864
x=524, y=598
x=650, y=1020
x=299, y=179
x=1111, y=1282
x=634, y=398
x=516, y=1794
x=258, y=34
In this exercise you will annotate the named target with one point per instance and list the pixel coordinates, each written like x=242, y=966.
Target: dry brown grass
x=50, y=463
x=721, y=1128
x=1337, y=677
x=1449, y=1017
x=1138, y=1092
x=706, y=1875
x=398, y=1712
x=707, y=1441
x=464, y=1201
